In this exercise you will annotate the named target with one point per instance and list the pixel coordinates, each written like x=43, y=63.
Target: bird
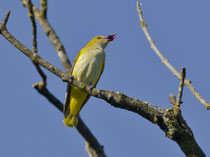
x=87, y=68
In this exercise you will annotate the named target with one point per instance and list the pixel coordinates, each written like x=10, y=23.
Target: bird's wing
x=67, y=99
x=77, y=57
x=68, y=89
x=102, y=69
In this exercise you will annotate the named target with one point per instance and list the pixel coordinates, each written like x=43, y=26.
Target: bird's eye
x=99, y=38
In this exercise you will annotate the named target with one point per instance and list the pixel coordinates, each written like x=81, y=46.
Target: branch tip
x=181, y=86
x=6, y=17
x=138, y=5
x=140, y=11
x=43, y=8
x=172, y=99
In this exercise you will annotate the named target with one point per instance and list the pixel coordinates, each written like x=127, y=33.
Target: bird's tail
x=70, y=120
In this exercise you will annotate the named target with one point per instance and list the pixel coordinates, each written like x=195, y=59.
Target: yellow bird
x=88, y=67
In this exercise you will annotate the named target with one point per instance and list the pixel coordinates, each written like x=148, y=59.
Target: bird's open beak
x=110, y=37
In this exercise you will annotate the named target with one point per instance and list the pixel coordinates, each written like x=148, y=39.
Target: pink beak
x=110, y=37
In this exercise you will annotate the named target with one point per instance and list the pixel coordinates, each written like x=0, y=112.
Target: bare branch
x=172, y=99
x=41, y=73
x=42, y=89
x=6, y=17
x=41, y=16
x=43, y=8
x=143, y=25
x=54, y=39
x=49, y=31
x=181, y=85
x=92, y=152
x=165, y=61
x=28, y=5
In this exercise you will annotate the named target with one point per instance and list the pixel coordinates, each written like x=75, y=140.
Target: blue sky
x=31, y=126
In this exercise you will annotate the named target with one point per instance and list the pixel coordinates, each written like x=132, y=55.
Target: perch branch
x=173, y=125
x=165, y=61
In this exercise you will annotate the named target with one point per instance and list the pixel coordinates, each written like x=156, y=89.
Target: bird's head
x=101, y=41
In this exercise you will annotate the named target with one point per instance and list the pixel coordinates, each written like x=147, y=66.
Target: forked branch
x=165, y=61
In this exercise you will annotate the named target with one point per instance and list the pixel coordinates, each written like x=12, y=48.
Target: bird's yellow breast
x=89, y=66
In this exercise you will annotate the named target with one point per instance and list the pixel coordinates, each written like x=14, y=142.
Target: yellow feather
x=88, y=67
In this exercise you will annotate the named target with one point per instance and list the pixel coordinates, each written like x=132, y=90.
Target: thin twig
x=43, y=9
x=42, y=19
x=181, y=85
x=49, y=31
x=33, y=23
x=165, y=61
x=6, y=17
x=172, y=99
x=49, y=96
x=41, y=73
x=28, y=4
